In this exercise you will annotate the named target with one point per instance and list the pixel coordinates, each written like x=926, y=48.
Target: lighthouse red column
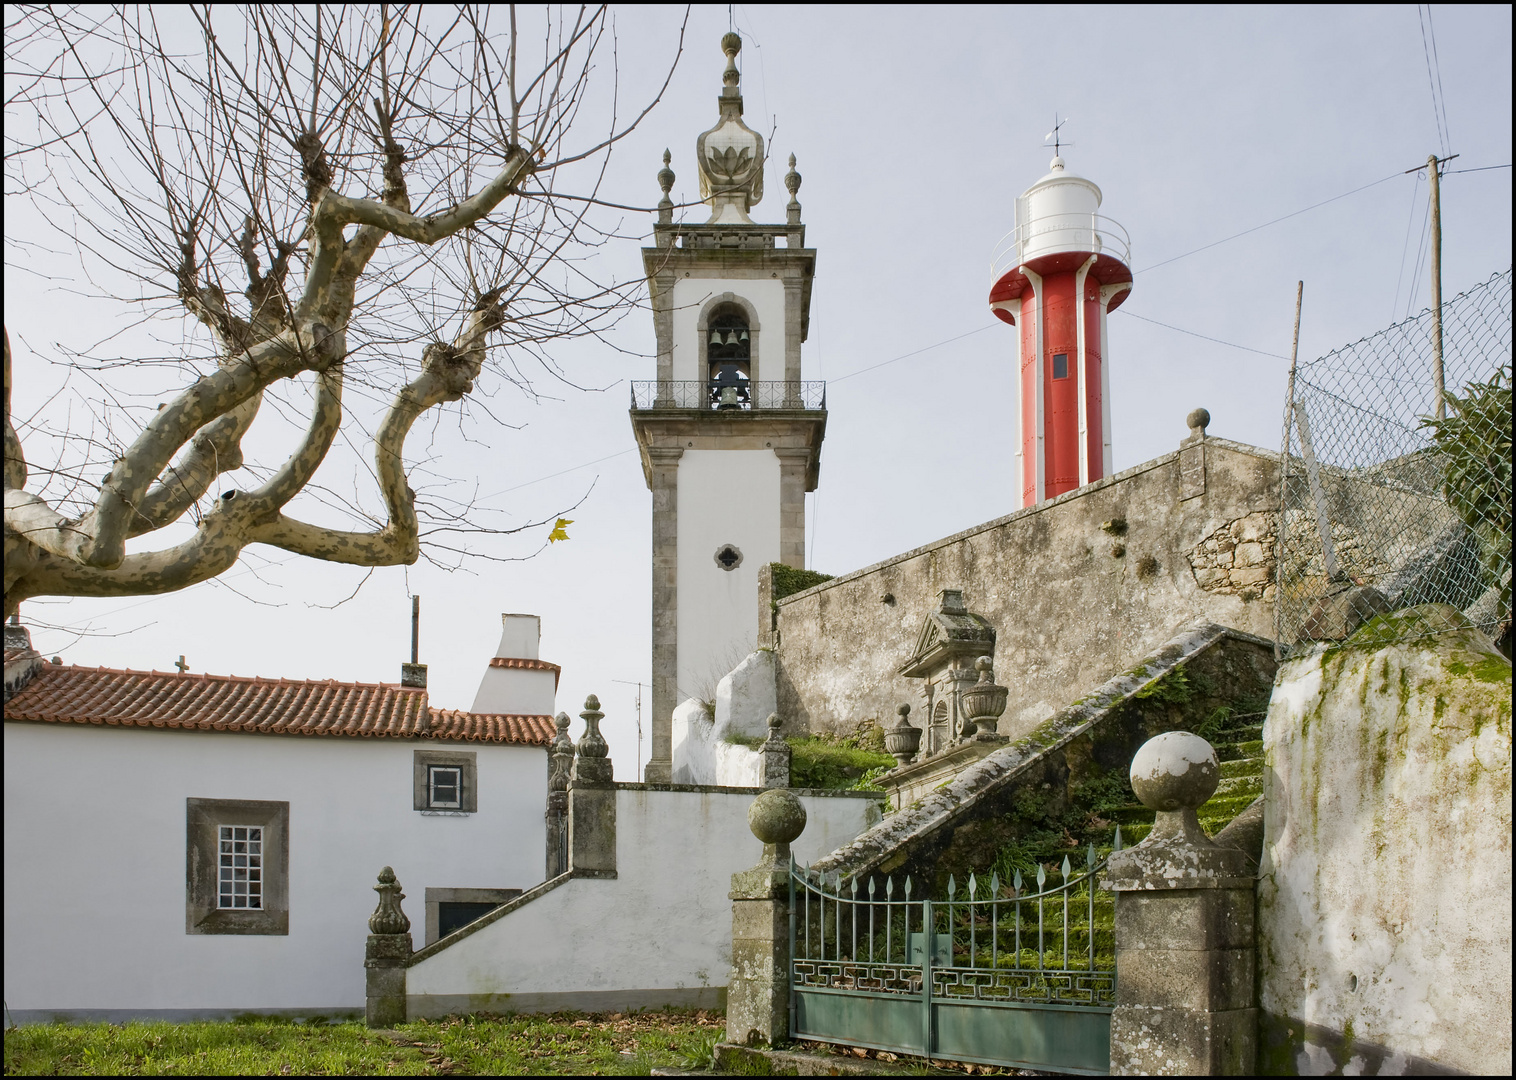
x=1066, y=268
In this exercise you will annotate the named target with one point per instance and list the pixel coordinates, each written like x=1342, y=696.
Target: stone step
x=1238, y=786
x=1246, y=766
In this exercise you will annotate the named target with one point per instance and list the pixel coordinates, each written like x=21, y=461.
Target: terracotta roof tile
x=83, y=695
x=521, y=663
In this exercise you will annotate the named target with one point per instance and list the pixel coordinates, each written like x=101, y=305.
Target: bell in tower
x=730, y=431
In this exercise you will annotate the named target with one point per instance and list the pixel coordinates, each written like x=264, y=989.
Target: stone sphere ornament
x=777, y=816
x=1175, y=771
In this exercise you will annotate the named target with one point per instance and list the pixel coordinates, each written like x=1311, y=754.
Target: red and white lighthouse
x=1057, y=276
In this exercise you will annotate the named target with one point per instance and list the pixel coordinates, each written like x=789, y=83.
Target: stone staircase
x=1239, y=746
x=1049, y=794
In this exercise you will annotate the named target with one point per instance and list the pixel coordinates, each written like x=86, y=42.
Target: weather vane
x=1058, y=143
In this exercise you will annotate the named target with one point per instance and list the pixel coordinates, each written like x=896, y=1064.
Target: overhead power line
x=1266, y=224
x=1206, y=337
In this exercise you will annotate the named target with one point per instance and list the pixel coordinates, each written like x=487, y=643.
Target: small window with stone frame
x=444, y=787
x=446, y=782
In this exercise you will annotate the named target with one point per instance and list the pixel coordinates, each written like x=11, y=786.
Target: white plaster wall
x=517, y=691
x=1385, y=901
x=702, y=756
x=663, y=923
x=725, y=496
x=767, y=298
x=95, y=861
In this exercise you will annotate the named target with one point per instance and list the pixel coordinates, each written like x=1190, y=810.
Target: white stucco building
x=182, y=845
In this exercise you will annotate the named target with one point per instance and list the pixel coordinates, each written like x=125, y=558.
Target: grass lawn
x=593, y=1044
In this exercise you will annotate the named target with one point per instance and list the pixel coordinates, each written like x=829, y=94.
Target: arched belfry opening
x=728, y=355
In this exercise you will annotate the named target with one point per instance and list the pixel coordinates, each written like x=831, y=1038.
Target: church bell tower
x=729, y=433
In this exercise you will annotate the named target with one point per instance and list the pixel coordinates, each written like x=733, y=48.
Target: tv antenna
x=638, y=685
x=1056, y=135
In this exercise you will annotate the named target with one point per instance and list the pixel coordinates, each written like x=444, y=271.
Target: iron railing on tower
x=714, y=396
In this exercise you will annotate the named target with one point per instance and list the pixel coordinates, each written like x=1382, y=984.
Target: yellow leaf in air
x=560, y=531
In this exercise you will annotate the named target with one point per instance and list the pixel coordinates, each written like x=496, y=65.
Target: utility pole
x=1434, y=173
x=1437, y=388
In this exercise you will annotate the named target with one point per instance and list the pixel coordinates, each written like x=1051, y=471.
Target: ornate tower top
x=730, y=155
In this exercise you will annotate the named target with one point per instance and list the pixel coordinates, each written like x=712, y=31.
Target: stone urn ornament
x=903, y=738
x=984, y=702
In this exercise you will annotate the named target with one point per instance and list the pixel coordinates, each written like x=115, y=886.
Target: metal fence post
x=928, y=932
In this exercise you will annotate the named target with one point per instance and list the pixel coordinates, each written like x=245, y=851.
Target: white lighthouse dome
x=1059, y=214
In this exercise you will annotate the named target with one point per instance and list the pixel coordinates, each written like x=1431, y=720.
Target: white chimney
x=517, y=682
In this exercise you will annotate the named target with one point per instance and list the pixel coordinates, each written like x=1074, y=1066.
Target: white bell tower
x=729, y=433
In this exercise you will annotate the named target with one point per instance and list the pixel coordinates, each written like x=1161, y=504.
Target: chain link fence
x=1386, y=505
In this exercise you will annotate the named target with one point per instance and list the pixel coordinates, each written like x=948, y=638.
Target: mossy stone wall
x=1385, y=901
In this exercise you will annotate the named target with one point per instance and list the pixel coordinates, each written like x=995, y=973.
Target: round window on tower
x=728, y=556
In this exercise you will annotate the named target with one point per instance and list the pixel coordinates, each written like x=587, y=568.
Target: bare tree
x=343, y=200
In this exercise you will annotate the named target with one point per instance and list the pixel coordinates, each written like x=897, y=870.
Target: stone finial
x=1199, y=420
x=592, y=744
x=730, y=155
x=731, y=44
x=776, y=817
x=387, y=917
x=591, y=765
x=666, y=182
x=776, y=755
x=1174, y=774
x=562, y=755
x=1175, y=771
x=792, y=183
x=903, y=738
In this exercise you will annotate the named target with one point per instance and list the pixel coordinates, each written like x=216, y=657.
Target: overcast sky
x=914, y=130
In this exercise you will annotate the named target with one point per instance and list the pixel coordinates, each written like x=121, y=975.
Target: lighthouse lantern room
x=1056, y=277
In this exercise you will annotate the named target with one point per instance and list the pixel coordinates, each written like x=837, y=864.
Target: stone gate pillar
x=386, y=955
x=758, y=991
x=1185, y=952
x=592, y=800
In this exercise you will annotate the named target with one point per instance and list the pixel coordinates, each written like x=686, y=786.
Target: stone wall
x=1078, y=588
x=1385, y=897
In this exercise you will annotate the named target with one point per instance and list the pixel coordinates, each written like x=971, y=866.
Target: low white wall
x=659, y=933
x=745, y=698
x=702, y=756
x=1385, y=901
x=95, y=862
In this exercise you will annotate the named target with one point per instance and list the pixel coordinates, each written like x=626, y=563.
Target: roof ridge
x=272, y=679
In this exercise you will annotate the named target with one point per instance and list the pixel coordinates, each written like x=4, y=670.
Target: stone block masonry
x=1078, y=588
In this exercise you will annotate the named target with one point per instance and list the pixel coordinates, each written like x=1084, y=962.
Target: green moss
x=788, y=580
x=818, y=761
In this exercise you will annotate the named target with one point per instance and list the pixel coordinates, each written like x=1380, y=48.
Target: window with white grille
x=445, y=787
x=239, y=876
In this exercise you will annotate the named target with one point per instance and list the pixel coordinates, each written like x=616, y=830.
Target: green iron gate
x=1012, y=977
